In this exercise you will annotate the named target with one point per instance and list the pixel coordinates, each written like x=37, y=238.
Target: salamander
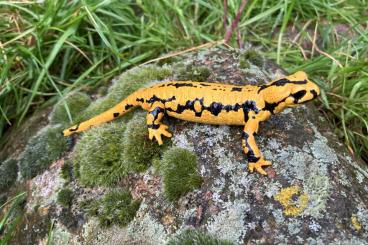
x=213, y=103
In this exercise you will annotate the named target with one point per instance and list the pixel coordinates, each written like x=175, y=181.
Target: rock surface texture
x=315, y=192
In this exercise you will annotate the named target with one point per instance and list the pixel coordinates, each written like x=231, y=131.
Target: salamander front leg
x=255, y=158
x=155, y=127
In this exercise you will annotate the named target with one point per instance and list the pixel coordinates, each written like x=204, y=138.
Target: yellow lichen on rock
x=292, y=208
x=355, y=222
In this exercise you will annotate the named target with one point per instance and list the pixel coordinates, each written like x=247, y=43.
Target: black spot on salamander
x=215, y=108
x=314, y=92
x=154, y=98
x=157, y=111
x=248, y=106
x=280, y=82
x=214, y=89
x=116, y=114
x=271, y=106
x=170, y=99
x=197, y=113
x=205, y=85
x=75, y=128
x=298, y=95
x=250, y=155
x=189, y=105
x=153, y=126
x=236, y=89
x=128, y=106
x=235, y=107
x=183, y=84
x=140, y=100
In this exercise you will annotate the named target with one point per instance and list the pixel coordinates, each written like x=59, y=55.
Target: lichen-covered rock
x=314, y=193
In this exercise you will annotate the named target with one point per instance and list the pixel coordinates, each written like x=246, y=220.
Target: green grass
x=11, y=215
x=51, y=48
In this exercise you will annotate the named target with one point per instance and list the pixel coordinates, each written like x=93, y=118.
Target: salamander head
x=289, y=91
x=303, y=91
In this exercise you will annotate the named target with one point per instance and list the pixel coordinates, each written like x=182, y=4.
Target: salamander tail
x=119, y=110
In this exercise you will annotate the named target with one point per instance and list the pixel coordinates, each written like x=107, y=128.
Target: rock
x=315, y=192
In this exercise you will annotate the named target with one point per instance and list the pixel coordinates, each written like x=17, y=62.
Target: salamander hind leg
x=155, y=128
x=255, y=158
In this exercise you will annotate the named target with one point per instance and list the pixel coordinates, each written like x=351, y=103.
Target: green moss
x=8, y=173
x=42, y=149
x=169, y=60
x=193, y=237
x=108, y=152
x=66, y=170
x=250, y=56
x=179, y=172
x=244, y=64
x=76, y=102
x=139, y=150
x=192, y=72
x=116, y=207
x=65, y=197
x=129, y=82
x=97, y=157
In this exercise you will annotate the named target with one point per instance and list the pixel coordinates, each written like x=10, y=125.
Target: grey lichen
x=230, y=221
x=147, y=228
x=317, y=188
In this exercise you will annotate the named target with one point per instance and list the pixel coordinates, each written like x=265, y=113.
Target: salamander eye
x=298, y=95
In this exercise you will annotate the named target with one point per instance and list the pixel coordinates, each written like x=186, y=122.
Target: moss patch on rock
x=193, y=237
x=139, y=150
x=109, y=152
x=179, y=172
x=128, y=83
x=192, y=72
x=116, y=207
x=75, y=102
x=97, y=157
x=42, y=149
x=8, y=173
x=65, y=197
x=250, y=56
x=66, y=170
